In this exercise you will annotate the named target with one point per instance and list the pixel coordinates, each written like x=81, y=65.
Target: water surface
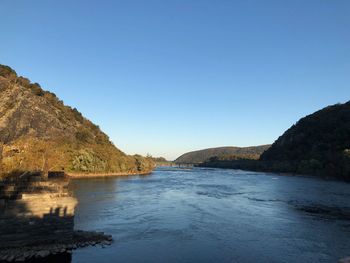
x=213, y=215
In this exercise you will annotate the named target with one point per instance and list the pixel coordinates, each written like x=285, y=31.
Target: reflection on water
x=212, y=215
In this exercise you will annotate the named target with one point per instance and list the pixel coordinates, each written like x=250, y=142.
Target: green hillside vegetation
x=197, y=157
x=318, y=144
x=39, y=133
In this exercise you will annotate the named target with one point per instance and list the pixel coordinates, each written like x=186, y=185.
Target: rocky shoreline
x=80, y=239
x=94, y=175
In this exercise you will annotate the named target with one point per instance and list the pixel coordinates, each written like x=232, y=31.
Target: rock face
x=38, y=132
x=345, y=260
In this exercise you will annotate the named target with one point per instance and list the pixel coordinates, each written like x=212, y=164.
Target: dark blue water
x=213, y=215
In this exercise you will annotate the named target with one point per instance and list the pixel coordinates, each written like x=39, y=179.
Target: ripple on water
x=210, y=215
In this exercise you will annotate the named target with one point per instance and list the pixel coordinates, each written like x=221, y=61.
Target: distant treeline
x=222, y=153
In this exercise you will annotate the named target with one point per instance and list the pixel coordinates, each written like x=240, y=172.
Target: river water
x=214, y=215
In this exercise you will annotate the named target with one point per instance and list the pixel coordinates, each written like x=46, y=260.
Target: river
x=214, y=215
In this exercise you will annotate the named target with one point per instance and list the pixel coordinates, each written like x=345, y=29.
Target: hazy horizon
x=168, y=77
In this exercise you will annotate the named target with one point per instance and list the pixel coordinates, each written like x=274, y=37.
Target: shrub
x=83, y=136
x=7, y=72
x=24, y=82
x=88, y=161
x=36, y=89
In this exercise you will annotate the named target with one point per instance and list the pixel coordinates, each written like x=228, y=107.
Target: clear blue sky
x=166, y=77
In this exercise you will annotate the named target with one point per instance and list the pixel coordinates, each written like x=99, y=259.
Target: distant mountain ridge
x=39, y=132
x=200, y=156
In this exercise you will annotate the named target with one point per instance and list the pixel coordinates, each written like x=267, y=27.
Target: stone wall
x=35, y=211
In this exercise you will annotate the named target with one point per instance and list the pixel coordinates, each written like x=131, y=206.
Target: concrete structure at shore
x=35, y=210
x=37, y=219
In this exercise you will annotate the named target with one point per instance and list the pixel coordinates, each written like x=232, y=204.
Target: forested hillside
x=39, y=132
x=201, y=156
x=317, y=144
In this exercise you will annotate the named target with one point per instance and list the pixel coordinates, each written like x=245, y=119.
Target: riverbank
x=281, y=168
x=94, y=175
x=80, y=239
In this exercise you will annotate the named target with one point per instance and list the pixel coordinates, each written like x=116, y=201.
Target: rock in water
x=344, y=260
